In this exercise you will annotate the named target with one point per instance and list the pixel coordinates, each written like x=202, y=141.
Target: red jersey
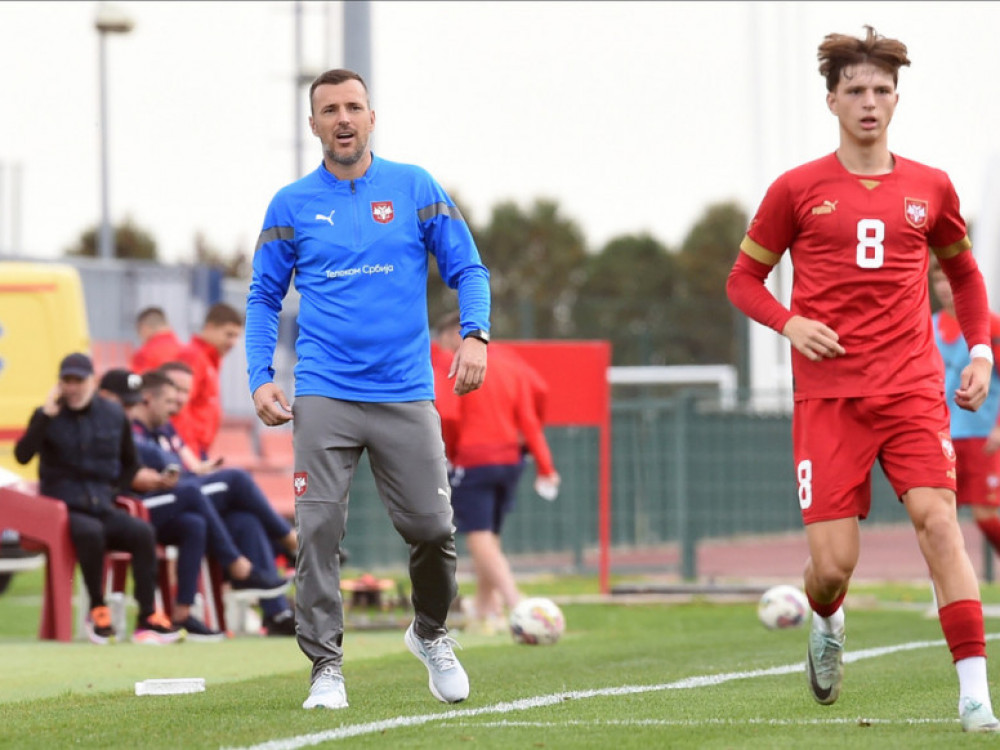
x=485, y=427
x=198, y=422
x=859, y=247
x=161, y=347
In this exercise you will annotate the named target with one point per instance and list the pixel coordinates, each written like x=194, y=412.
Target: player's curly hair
x=840, y=51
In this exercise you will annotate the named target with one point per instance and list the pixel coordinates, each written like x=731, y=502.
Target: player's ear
x=831, y=98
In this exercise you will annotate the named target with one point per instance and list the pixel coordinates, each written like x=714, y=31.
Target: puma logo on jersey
x=828, y=207
x=322, y=217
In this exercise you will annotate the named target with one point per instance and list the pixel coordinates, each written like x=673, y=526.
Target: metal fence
x=685, y=470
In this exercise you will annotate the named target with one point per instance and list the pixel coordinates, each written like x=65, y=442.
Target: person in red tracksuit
x=486, y=435
x=198, y=422
x=159, y=342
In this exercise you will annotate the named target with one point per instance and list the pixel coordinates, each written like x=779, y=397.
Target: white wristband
x=982, y=351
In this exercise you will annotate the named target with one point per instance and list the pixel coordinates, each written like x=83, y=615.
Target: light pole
x=108, y=20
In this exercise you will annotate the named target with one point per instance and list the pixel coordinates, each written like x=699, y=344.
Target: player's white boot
x=976, y=717
x=825, y=664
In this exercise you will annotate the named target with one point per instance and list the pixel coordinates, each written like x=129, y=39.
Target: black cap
x=125, y=384
x=76, y=365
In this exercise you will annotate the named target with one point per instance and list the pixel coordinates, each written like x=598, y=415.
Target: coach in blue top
x=358, y=234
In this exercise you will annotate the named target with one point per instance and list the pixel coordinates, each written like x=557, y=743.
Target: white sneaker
x=825, y=665
x=976, y=717
x=327, y=691
x=447, y=680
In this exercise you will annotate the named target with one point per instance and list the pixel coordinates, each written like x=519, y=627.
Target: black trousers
x=117, y=530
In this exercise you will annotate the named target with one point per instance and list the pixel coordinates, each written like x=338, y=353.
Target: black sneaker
x=198, y=631
x=262, y=585
x=282, y=624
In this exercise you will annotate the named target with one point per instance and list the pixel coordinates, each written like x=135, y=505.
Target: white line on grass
x=505, y=723
x=525, y=704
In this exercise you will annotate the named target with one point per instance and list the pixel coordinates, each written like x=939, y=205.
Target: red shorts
x=978, y=473
x=837, y=440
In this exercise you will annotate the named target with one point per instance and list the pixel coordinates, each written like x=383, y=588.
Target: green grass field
x=656, y=675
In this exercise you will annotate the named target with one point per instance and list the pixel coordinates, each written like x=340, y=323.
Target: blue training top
x=359, y=250
x=965, y=424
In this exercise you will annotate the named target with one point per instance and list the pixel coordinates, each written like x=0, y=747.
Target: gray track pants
x=406, y=453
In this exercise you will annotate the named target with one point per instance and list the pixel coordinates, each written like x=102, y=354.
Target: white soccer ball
x=536, y=622
x=783, y=607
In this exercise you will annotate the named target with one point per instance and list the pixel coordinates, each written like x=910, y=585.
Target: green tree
x=627, y=297
x=237, y=265
x=130, y=241
x=536, y=259
x=712, y=331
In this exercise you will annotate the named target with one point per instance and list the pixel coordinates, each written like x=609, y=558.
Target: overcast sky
x=633, y=116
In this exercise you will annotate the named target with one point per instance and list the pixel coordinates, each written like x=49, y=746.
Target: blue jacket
x=965, y=424
x=359, y=251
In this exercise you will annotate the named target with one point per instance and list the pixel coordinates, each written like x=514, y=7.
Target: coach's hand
x=271, y=405
x=468, y=367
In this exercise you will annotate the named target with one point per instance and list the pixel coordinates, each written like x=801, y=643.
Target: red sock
x=962, y=625
x=991, y=530
x=825, y=610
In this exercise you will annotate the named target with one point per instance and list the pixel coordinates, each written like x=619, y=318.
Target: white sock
x=972, y=682
x=832, y=625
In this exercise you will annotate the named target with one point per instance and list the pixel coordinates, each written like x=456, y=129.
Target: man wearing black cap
x=86, y=457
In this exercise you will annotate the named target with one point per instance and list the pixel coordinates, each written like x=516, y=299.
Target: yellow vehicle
x=42, y=319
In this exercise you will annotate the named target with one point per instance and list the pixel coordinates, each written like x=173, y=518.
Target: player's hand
x=975, y=384
x=168, y=478
x=271, y=405
x=813, y=339
x=547, y=487
x=992, y=440
x=468, y=366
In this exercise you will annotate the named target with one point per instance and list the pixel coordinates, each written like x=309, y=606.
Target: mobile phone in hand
x=171, y=470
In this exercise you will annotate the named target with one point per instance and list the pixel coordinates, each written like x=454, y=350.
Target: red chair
x=43, y=524
x=210, y=582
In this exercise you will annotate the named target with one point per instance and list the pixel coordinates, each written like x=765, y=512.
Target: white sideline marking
x=524, y=704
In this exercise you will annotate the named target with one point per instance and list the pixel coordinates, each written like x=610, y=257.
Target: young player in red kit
x=486, y=436
x=860, y=225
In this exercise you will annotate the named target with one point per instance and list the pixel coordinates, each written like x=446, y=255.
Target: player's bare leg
x=834, y=547
x=935, y=519
x=987, y=518
x=494, y=580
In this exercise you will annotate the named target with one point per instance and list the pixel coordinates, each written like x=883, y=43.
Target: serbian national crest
x=916, y=212
x=382, y=211
x=946, y=446
x=300, y=483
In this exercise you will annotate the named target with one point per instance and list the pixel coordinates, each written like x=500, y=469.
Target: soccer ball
x=782, y=607
x=536, y=622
